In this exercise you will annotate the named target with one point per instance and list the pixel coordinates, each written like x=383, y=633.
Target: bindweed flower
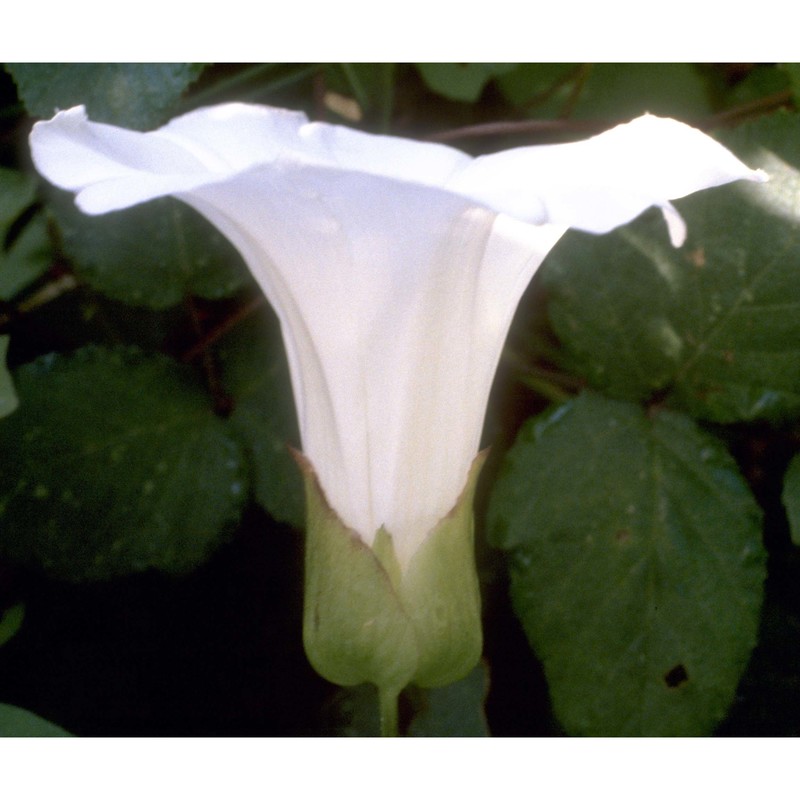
x=395, y=268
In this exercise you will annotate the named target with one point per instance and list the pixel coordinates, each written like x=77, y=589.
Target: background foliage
x=640, y=514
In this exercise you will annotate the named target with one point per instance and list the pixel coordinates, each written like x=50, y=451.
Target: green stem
x=387, y=96
x=545, y=388
x=388, y=703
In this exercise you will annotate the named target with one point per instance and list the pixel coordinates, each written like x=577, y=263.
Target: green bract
x=365, y=621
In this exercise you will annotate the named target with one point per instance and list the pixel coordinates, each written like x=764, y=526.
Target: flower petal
x=594, y=185
x=603, y=182
x=110, y=167
x=113, y=168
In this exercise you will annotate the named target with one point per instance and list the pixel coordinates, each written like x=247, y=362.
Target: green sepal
x=366, y=620
x=354, y=627
x=440, y=593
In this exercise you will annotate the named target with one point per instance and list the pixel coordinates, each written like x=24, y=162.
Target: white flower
x=394, y=266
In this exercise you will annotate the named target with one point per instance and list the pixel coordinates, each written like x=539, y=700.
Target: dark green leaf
x=8, y=395
x=793, y=73
x=151, y=255
x=371, y=86
x=547, y=87
x=609, y=91
x=11, y=622
x=25, y=253
x=257, y=378
x=278, y=84
x=19, y=722
x=791, y=498
x=624, y=91
x=636, y=563
x=463, y=82
x=761, y=81
x=454, y=710
x=139, y=96
x=713, y=325
x=118, y=465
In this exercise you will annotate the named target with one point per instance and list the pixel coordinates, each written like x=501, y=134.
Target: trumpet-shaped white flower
x=394, y=266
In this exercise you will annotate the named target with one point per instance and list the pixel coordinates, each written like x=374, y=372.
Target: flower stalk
x=388, y=701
